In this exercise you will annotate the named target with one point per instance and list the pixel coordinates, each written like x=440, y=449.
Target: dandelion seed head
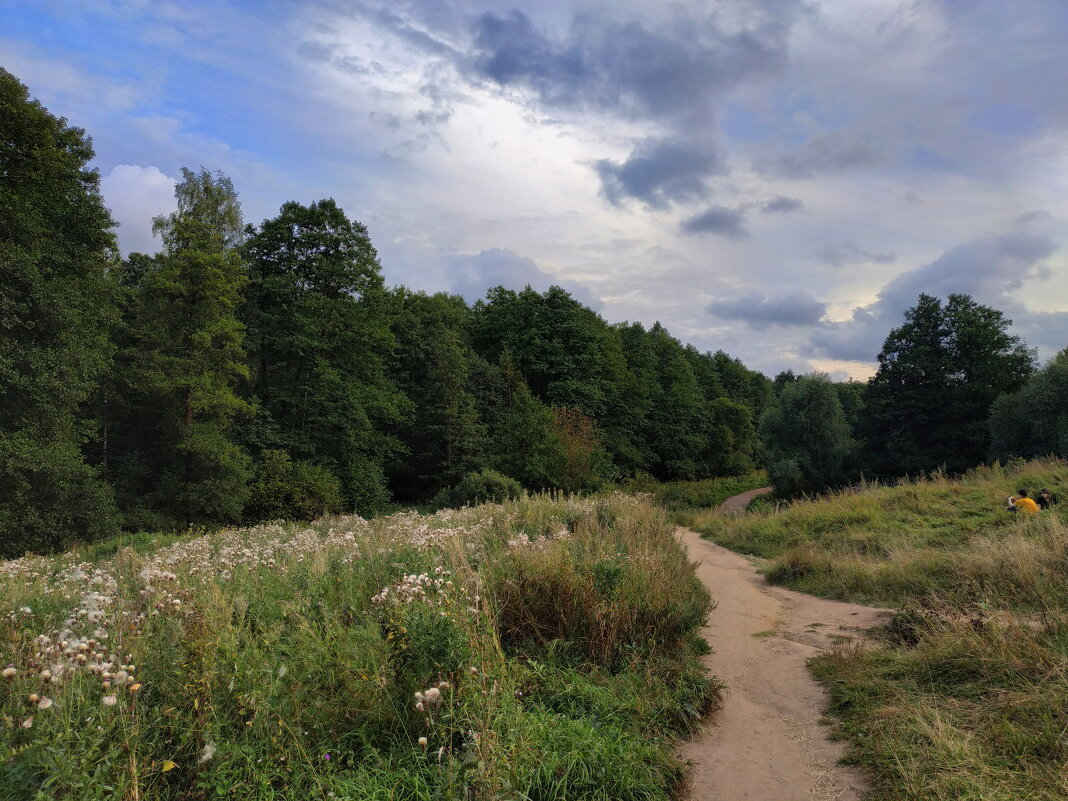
x=422, y=740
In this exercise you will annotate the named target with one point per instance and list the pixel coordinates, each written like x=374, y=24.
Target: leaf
x=168, y=764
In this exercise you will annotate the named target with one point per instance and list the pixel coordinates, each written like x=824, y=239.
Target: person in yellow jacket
x=1022, y=503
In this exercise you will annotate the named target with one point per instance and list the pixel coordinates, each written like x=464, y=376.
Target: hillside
x=545, y=649
x=966, y=695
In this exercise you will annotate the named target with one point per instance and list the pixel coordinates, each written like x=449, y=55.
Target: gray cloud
x=824, y=154
x=658, y=173
x=671, y=74
x=760, y=311
x=849, y=253
x=781, y=205
x=991, y=269
x=718, y=220
x=472, y=275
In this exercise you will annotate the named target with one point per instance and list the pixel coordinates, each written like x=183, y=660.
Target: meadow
x=541, y=649
x=965, y=694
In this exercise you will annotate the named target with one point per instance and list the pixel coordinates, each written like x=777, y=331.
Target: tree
x=444, y=437
x=56, y=310
x=806, y=437
x=182, y=360
x=929, y=403
x=1033, y=421
x=319, y=337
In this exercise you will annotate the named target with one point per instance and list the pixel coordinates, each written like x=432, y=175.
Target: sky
x=778, y=179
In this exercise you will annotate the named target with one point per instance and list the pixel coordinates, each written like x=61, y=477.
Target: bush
x=486, y=486
x=286, y=490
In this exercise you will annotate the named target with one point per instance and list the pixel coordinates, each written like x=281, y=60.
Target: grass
x=684, y=499
x=886, y=544
x=965, y=696
x=542, y=649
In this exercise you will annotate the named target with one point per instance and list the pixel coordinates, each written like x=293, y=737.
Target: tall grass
x=967, y=695
x=541, y=649
x=884, y=544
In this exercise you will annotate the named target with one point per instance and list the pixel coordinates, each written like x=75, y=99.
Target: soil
x=766, y=743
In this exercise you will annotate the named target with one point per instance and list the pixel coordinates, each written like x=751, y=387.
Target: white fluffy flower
x=110, y=700
x=44, y=703
x=207, y=752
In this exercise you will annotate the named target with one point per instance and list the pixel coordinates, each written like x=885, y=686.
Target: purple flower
x=326, y=757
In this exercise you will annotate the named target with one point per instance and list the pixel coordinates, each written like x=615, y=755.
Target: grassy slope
x=968, y=697
x=684, y=499
x=559, y=636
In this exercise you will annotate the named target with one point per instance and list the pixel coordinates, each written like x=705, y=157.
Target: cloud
x=991, y=269
x=472, y=275
x=671, y=74
x=718, y=220
x=849, y=253
x=629, y=67
x=658, y=173
x=135, y=195
x=760, y=311
x=824, y=154
x=781, y=205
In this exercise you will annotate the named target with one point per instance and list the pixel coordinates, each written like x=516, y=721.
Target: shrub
x=286, y=490
x=486, y=486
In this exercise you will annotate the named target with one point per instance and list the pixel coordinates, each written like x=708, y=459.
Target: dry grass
x=969, y=697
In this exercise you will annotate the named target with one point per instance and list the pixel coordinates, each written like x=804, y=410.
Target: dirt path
x=766, y=743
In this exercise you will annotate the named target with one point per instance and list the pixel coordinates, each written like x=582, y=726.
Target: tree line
x=953, y=389
x=248, y=372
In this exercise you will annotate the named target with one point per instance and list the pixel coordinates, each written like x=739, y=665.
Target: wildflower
x=28, y=723
x=34, y=698
x=44, y=703
x=207, y=752
x=433, y=696
x=9, y=672
x=422, y=740
x=326, y=757
x=110, y=700
x=135, y=687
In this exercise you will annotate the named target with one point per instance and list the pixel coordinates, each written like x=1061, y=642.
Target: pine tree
x=182, y=362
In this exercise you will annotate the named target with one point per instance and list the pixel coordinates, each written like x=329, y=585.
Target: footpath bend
x=766, y=742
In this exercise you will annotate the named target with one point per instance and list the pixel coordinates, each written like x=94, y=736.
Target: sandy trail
x=766, y=742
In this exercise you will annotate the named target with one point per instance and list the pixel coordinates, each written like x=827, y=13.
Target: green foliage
x=966, y=693
x=57, y=306
x=483, y=486
x=806, y=438
x=1033, y=421
x=677, y=496
x=282, y=489
x=283, y=661
x=319, y=336
x=180, y=363
x=444, y=437
x=939, y=373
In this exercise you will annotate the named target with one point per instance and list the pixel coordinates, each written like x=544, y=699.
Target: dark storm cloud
x=850, y=253
x=991, y=269
x=628, y=66
x=760, y=311
x=718, y=220
x=781, y=205
x=472, y=275
x=671, y=75
x=658, y=173
x=824, y=154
